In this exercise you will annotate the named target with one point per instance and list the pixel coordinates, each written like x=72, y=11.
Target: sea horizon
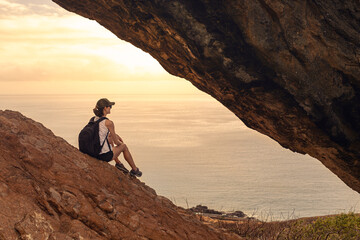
x=195, y=151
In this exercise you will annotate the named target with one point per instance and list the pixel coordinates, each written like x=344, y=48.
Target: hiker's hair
x=99, y=111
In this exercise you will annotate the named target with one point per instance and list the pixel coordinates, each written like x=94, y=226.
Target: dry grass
x=334, y=227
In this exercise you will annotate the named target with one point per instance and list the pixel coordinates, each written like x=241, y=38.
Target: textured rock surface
x=49, y=190
x=288, y=69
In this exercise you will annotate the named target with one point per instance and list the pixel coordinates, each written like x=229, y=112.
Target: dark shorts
x=106, y=157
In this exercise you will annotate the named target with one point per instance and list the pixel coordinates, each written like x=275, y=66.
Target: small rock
x=55, y=195
x=106, y=206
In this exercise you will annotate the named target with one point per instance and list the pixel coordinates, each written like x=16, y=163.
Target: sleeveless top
x=103, y=130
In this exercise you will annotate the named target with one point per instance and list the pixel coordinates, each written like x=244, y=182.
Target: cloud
x=10, y=8
x=70, y=67
x=37, y=47
x=43, y=45
x=14, y=8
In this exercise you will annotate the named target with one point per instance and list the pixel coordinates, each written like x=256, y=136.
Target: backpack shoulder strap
x=102, y=118
x=97, y=121
x=106, y=139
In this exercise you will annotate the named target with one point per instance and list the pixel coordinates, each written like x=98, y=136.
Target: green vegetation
x=338, y=227
x=343, y=226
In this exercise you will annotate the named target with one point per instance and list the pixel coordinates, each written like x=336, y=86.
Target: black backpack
x=89, y=141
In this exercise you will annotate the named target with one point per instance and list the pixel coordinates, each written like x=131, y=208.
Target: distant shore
x=340, y=226
x=205, y=212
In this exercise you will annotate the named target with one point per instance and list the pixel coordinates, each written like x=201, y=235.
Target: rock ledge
x=49, y=190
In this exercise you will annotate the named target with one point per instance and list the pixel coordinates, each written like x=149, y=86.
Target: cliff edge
x=50, y=190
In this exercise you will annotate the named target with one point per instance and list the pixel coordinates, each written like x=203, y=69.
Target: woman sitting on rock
x=114, y=145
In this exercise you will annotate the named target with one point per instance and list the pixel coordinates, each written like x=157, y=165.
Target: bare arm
x=110, y=125
x=110, y=139
x=120, y=138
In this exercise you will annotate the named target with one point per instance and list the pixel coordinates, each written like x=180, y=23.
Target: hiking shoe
x=136, y=173
x=121, y=167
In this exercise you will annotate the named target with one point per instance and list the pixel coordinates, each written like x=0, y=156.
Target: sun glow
x=47, y=49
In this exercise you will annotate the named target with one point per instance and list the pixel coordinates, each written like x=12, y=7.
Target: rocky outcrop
x=205, y=211
x=288, y=69
x=49, y=190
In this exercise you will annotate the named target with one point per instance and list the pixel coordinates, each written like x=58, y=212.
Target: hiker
x=113, y=145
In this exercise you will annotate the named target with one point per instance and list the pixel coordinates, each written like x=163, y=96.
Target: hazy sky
x=45, y=49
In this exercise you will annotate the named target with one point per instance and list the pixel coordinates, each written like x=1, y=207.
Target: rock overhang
x=288, y=69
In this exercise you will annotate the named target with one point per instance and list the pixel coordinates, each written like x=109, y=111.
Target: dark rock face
x=49, y=190
x=288, y=69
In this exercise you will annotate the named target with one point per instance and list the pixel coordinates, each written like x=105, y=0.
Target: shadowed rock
x=288, y=69
x=49, y=190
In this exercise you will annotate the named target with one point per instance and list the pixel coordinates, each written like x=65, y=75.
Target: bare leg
x=127, y=155
x=115, y=158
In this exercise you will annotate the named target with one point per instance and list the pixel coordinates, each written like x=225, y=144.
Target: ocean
x=193, y=150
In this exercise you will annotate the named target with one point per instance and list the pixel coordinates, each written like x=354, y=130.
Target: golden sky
x=45, y=49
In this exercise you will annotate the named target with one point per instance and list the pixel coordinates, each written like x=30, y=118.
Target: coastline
x=339, y=226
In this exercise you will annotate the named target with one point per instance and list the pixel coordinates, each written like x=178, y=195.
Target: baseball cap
x=104, y=102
